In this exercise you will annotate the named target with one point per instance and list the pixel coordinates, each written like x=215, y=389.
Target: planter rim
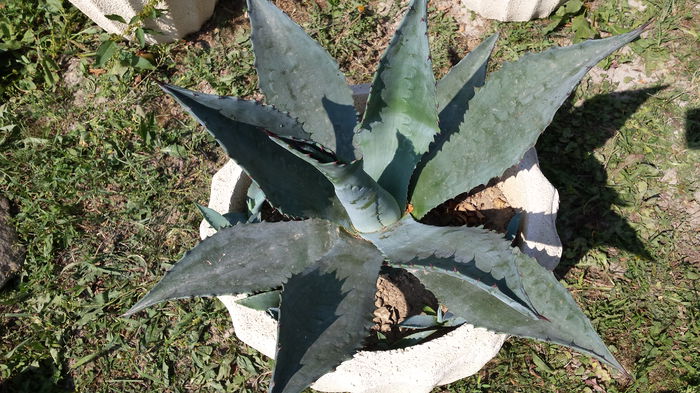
x=183, y=16
x=419, y=368
x=448, y=352
x=513, y=10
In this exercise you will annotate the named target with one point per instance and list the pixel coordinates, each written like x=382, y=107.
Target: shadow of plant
x=586, y=218
x=225, y=12
x=692, y=129
x=45, y=378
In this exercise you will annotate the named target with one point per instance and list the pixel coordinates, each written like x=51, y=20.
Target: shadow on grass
x=225, y=12
x=692, y=129
x=46, y=378
x=586, y=218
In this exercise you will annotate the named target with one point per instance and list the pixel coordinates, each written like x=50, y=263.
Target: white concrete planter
x=513, y=10
x=420, y=368
x=182, y=16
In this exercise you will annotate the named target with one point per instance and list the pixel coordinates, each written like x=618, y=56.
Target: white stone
x=181, y=18
x=513, y=10
x=637, y=4
x=528, y=190
x=229, y=187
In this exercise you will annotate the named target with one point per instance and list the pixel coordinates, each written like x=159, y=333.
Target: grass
x=102, y=174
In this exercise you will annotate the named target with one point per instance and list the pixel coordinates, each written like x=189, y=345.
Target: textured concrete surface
x=229, y=187
x=183, y=16
x=531, y=193
x=513, y=10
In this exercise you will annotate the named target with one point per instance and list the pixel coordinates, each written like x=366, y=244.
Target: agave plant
x=362, y=185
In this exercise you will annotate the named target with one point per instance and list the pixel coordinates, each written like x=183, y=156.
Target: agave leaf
x=420, y=322
x=513, y=227
x=254, y=202
x=368, y=205
x=401, y=116
x=262, y=301
x=300, y=77
x=505, y=118
x=219, y=221
x=249, y=112
x=480, y=258
x=326, y=313
x=454, y=322
x=274, y=313
x=245, y=258
x=563, y=321
x=290, y=184
x=456, y=88
x=413, y=339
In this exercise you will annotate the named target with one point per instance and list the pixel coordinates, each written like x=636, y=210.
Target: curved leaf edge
x=172, y=89
x=344, y=148
x=152, y=297
x=419, y=210
x=334, y=326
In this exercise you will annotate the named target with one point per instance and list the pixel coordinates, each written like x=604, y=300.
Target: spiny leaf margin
x=479, y=257
x=290, y=184
x=326, y=313
x=284, y=56
x=563, y=321
x=401, y=117
x=244, y=258
x=506, y=117
x=369, y=206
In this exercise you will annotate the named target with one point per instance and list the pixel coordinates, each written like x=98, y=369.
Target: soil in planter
x=484, y=205
x=268, y=213
x=401, y=295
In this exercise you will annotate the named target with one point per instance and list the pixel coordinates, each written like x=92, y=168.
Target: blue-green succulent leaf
x=244, y=111
x=420, y=322
x=413, y=339
x=454, y=322
x=262, y=301
x=219, y=221
x=244, y=258
x=513, y=227
x=298, y=76
x=505, y=118
x=480, y=258
x=326, y=313
x=368, y=205
x=457, y=87
x=290, y=184
x=235, y=217
x=429, y=321
x=401, y=118
x=254, y=202
x=562, y=320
